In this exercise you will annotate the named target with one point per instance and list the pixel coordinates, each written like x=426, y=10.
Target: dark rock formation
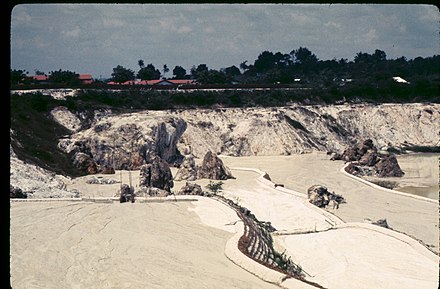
x=370, y=158
x=16, y=193
x=367, y=161
x=382, y=223
x=187, y=170
x=388, y=167
x=213, y=168
x=191, y=189
x=156, y=174
x=85, y=163
x=321, y=197
x=106, y=169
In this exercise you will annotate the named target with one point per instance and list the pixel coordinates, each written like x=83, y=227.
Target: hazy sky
x=95, y=38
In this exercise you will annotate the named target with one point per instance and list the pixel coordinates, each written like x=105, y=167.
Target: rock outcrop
x=127, y=141
x=321, y=197
x=191, y=189
x=16, y=193
x=367, y=161
x=156, y=174
x=85, y=163
x=213, y=168
x=187, y=170
x=388, y=166
x=66, y=118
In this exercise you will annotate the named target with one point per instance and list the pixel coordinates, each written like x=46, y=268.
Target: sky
x=95, y=38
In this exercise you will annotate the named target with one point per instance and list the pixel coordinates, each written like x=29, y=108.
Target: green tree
x=232, y=71
x=196, y=71
x=18, y=76
x=165, y=69
x=179, y=72
x=141, y=63
x=149, y=72
x=212, y=77
x=121, y=74
x=303, y=56
x=64, y=77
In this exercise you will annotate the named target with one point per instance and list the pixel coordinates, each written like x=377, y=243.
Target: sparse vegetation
x=215, y=188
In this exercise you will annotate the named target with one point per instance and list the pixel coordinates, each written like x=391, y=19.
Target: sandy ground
x=182, y=244
x=140, y=245
x=417, y=218
x=363, y=256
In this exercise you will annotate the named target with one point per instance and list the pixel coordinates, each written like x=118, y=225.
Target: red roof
x=154, y=81
x=40, y=77
x=181, y=81
x=85, y=76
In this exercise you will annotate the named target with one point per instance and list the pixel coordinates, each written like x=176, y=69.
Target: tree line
x=300, y=66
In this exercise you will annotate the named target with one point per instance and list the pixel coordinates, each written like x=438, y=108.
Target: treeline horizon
x=298, y=66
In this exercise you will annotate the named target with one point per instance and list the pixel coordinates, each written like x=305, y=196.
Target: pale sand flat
x=140, y=245
x=415, y=217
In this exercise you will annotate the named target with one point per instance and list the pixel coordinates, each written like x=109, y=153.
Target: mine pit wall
x=125, y=139
x=297, y=129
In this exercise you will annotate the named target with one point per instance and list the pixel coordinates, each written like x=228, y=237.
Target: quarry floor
x=182, y=244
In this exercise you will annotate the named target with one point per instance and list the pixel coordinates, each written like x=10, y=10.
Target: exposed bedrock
x=296, y=129
x=126, y=141
x=156, y=174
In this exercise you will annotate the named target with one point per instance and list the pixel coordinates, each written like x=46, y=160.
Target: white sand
x=165, y=245
x=140, y=245
x=360, y=256
x=417, y=218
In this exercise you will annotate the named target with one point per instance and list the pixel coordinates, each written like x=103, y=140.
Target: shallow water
x=427, y=192
x=421, y=174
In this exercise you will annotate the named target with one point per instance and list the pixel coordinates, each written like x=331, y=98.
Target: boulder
x=106, y=169
x=187, y=170
x=213, y=168
x=382, y=223
x=191, y=189
x=320, y=196
x=156, y=174
x=388, y=167
x=367, y=161
x=370, y=158
x=85, y=163
x=16, y=193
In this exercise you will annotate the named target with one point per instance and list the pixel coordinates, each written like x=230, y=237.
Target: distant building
x=156, y=82
x=40, y=79
x=44, y=79
x=86, y=78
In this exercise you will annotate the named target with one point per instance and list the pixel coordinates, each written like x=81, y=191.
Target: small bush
x=215, y=187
